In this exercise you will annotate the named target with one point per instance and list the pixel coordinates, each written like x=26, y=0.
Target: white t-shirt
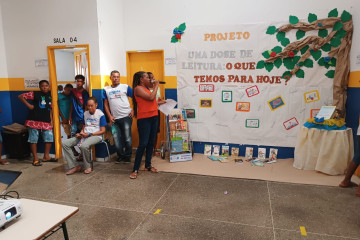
x=118, y=100
x=93, y=122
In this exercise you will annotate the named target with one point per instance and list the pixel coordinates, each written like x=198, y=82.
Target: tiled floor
x=112, y=206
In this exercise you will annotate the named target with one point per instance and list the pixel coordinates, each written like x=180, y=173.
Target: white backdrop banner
x=230, y=100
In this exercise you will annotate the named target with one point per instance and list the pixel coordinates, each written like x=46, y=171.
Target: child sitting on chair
x=91, y=134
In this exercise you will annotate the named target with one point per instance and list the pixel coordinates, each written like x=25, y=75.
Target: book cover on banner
x=216, y=150
x=261, y=153
x=225, y=150
x=207, y=150
x=234, y=151
x=249, y=152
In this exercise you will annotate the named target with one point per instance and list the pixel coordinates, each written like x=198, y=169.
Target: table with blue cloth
x=327, y=151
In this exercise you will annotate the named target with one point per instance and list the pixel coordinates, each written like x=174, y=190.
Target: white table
x=325, y=151
x=38, y=220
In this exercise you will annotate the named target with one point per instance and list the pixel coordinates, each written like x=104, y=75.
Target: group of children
x=74, y=118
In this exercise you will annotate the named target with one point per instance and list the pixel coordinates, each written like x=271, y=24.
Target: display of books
x=213, y=158
x=261, y=153
x=175, y=115
x=234, y=151
x=326, y=112
x=207, y=150
x=225, y=150
x=216, y=150
x=249, y=152
x=185, y=138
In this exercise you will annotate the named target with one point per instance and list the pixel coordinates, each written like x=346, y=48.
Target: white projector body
x=10, y=209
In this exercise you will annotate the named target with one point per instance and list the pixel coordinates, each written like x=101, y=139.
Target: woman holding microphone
x=146, y=111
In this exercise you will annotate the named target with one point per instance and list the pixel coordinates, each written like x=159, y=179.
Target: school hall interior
x=230, y=65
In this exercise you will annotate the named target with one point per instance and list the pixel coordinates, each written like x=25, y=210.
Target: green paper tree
x=333, y=34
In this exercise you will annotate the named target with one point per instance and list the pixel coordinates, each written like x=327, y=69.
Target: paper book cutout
x=312, y=96
x=314, y=112
x=291, y=123
x=216, y=150
x=252, y=91
x=249, y=152
x=206, y=103
x=225, y=150
x=235, y=151
x=226, y=96
x=206, y=88
x=190, y=113
x=207, y=150
x=252, y=123
x=276, y=103
x=243, y=106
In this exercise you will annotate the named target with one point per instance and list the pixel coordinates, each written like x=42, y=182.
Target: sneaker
x=127, y=160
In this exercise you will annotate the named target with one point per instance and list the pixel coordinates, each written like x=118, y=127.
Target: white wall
x=31, y=26
x=111, y=36
x=65, y=66
x=3, y=65
x=149, y=24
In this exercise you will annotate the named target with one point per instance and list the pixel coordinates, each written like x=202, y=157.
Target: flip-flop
x=3, y=162
x=351, y=185
x=151, y=169
x=50, y=160
x=37, y=164
x=134, y=175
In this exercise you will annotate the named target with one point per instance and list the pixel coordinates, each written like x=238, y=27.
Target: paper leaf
x=301, y=64
x=280, y=36
x=304, y=49
x=341, y=33
x=260, y=64
x=300, y=73
x=338, y=26
x=333, y=13
x=321, y=62
x=345, y=16
x=335, y=42
x=174, y=39
x=266, y=54
x=330, y=74
x=308, y=63
x=316, y=54
x=293, y=19
x=285, y=42
x=312, y=18
x=296, y=59
x=287, y=73
x=326, y=47
x=278, y=63
x=277, y=49
x=182, y=27
x=300, y=34
x=269, y=66
x=323, y=33
x=288, y=63
x=271, y=30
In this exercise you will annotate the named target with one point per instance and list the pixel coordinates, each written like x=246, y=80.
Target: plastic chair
x=91, y=152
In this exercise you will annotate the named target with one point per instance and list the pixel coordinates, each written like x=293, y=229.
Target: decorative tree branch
x=336, y=43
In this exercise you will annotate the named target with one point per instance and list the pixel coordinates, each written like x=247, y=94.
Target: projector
x=10, y=209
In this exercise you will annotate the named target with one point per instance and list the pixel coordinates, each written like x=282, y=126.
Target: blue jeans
x=76, y=127
x=121, y=130
x=147, y=128
x=356, y=158
x=47, y=135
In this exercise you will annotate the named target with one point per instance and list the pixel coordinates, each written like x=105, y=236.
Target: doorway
x=65, y=62
x=147, y=61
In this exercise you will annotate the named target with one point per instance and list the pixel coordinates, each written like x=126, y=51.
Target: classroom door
x=147, y=61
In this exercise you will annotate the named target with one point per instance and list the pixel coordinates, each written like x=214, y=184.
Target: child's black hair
x=80, y=77
x=92, y=98
x=43, y=81
x=69, y=85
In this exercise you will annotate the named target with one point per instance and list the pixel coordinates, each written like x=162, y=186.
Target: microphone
x=160, y=82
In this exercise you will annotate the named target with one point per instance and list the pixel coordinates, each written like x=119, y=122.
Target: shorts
x=67, y=129
x=47, y=135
